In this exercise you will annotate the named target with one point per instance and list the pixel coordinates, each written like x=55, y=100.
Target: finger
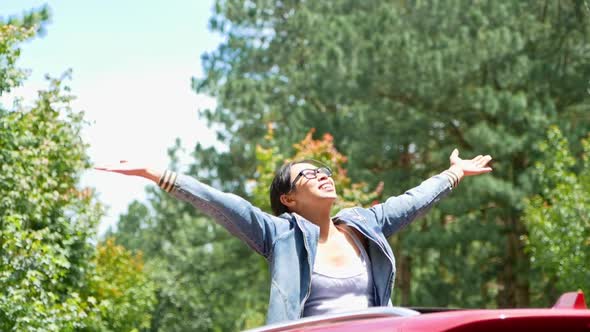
x=105, y=168
x=454, y=154
x=477, y=159
x=102, y=167
x=481, y=170
x=486, y=159
x=109, y=167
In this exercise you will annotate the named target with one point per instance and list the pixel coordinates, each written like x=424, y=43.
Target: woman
x=318, y=263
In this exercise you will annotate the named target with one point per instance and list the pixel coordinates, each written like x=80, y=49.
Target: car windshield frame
x=369, y=313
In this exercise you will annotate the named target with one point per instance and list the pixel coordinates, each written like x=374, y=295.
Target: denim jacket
x=289, y=242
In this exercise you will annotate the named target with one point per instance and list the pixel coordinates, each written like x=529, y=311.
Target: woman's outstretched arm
x=399, y=211
x=256, y=228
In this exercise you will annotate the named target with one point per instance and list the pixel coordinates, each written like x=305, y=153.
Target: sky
x=132, y=64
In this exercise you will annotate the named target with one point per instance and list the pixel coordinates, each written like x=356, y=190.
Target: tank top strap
x=355, y=239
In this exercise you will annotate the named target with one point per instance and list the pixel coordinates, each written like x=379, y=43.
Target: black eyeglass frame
x=308, y=175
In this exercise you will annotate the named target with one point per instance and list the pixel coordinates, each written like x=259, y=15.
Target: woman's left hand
x=467, y=167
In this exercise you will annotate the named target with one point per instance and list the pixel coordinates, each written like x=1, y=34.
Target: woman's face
x=311, y=184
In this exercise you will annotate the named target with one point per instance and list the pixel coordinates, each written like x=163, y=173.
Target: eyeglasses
x=309, y=173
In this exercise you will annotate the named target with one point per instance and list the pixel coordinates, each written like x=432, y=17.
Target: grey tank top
x=343, y=291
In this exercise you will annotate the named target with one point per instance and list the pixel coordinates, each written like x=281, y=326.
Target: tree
x=45, y=221
x=50, y=276
x=558, y=219
x=399, y=84
x=13, y=31
x=120, y=289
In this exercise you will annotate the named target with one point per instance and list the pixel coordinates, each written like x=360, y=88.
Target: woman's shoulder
x=285, y=221
x=355, y=214
x=352, y=213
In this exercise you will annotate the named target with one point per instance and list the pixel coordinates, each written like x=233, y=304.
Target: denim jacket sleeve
x=398, y=211
x=256, y=228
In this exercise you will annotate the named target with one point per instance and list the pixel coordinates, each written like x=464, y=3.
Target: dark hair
x=281, y=184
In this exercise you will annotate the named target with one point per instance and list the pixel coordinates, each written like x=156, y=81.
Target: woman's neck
x=321, y=218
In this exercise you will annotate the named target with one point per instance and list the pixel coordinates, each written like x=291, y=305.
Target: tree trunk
x=405, y=279
x=513, y=278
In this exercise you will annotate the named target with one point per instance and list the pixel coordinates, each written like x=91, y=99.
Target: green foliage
x=558, y=219
x=268, y=158
x=399, y=84
x=46, y=221
x=120, y=291
x=10, y=36
x=34, y=19
x=13, y=31
x=50, y=276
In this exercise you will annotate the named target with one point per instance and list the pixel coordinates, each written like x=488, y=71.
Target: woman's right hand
x=126, y=168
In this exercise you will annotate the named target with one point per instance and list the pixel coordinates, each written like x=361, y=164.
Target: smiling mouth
x=326, y=186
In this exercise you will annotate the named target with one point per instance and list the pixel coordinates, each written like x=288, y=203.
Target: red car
x=570, y=313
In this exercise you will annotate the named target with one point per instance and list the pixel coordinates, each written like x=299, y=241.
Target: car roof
x=569, y=313
x=453, y=321
x=369, y=313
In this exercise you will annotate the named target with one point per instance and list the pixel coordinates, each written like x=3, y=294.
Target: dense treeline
x=398, y=84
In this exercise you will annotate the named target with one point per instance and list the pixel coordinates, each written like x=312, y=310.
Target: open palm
x=475, y=166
